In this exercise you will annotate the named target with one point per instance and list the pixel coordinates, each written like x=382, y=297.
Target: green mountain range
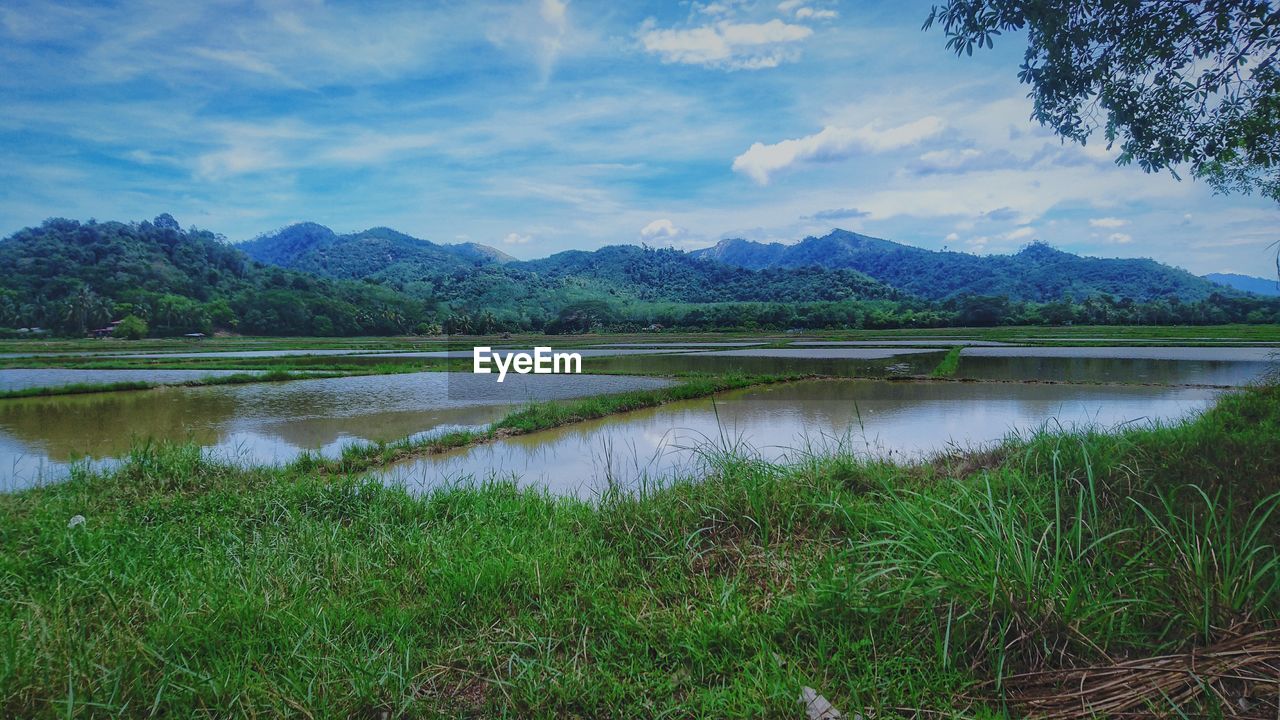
x=317, y=249
x=1038, y=273
x=468, y=274
x=305, y=279
x=73, y=277
x=1267, y=287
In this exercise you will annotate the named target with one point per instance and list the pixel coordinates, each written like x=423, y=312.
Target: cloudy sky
x=543, y=125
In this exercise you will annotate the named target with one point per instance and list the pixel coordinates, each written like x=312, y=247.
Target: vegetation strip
x=950, y=363
x=531, y=418
x=86, y=388
x=975, y=584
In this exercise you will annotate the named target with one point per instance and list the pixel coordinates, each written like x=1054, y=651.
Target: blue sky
x=543, y=125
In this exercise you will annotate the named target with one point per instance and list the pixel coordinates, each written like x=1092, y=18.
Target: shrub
x=131, y=327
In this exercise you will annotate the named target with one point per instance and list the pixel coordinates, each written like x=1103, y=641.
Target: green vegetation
x=236, y=379
x=196, y=588
x=1171, y=83
x=950, y=363
x=531, y=418
x=1037, y=274
x=71, y=278
x=131, y=327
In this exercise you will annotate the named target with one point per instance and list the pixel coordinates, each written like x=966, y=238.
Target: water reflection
x=837, y=362
x=267, y=423
x=778, y=422
x=1161, y=365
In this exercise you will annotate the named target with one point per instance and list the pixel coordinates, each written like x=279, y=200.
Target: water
x=683, y=345
x=836, y=362
x=917, y=342
x=1161, y=365
x=782, y=422
x=1219, y=354
x=584, y=352
x=268, y=422
x=821, y=353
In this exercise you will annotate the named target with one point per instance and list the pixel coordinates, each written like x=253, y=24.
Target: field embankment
x=974, y=584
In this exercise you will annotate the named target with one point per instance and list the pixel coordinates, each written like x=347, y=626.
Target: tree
x=1174, y=82
x=131, y=327
x=83, y=308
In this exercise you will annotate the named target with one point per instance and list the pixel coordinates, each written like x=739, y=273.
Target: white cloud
x=1021, y=233
x=246, y=61
x=555, y=13
x=539, y=28
x=516, y=239
x=948, y=159
x=831, y=143
x=376, y=147
x=662, y=229
x=808, y=13
x=1120, y=238
x=1108, y=222
x=951, y=237
x=713, y=8
x=729, y=45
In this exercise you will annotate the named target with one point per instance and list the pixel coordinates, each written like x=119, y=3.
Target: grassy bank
x=1155, y=334
x=236, y=379
x=531, y=418
x=949, y=364
x=962, y=586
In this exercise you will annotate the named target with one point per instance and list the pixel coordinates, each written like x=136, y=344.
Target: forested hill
x=1038, y=273
x=476, y=277
x=1267, y=287
x=672, y=275
x=71, y=277
x=317, y=249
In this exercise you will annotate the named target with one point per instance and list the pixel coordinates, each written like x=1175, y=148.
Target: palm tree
x=83, y=307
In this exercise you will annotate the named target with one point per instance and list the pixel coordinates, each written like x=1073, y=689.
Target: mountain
x=670, y=275
x=1267, y=287
x=474, y=277
x=72, y=276
x=307, y=280
x=316, y=249
x=1038, y=273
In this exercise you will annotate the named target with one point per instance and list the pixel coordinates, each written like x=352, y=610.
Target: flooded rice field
x=274, y=422
x=784, y=422
x=1234, y=366
x=268, y=422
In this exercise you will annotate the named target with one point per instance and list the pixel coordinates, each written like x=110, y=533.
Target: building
x=105, y=331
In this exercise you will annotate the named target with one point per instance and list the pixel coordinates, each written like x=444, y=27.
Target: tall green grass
x=196, y=588
x=234, y=379
x=949, y=364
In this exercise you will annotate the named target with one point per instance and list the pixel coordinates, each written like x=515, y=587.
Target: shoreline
x=866, y=579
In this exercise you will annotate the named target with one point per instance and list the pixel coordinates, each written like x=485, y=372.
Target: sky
x=537, y=126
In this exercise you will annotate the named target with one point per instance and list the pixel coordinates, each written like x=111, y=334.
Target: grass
x=949, y=364
x=196, y=589
x=236, y=379
x=1163, y=334
x=531, y=418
